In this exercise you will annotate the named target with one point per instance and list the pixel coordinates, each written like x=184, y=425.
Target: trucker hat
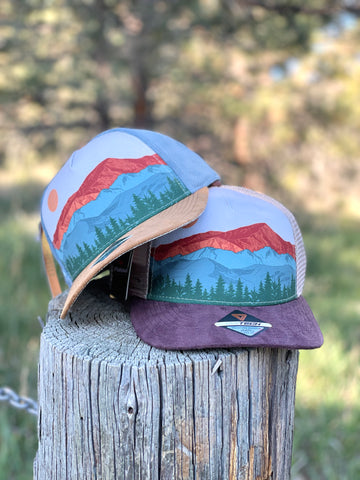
x=234, y=278
x=123, y=188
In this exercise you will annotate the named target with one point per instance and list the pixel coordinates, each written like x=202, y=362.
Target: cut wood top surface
x=99, y=328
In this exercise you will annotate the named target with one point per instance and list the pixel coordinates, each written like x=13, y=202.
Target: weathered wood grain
x=112, y=407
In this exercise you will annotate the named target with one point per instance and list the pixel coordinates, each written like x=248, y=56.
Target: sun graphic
x=53, y=200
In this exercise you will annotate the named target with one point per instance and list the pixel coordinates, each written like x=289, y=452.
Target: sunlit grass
x=327, y=434
x=23, y=297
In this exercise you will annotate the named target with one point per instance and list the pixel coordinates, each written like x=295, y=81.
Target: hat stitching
x=219, y=302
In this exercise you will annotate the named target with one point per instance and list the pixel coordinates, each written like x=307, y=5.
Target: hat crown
x=243, y=250
x=109, y=186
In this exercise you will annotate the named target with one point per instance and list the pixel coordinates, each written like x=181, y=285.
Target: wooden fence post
x=112, y=407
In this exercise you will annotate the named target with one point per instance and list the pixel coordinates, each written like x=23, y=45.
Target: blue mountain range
x=208, y=264
x=110, y=203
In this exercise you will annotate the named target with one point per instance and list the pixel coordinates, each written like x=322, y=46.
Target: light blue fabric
x=194, y=172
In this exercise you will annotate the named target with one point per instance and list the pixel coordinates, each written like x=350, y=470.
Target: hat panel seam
x=153, y=143
x=218, y=302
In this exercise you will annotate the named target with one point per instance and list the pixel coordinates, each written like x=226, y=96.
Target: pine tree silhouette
x=220, y=288
x=109, y=233
x=158, y=284
x=80, y=250
x=277, y=289
x=114, y=226
x=153, y=201
x=141, y=207
x=268, y=290
x=230, y=293
x=261, y=291
x=173, y=289
x=246, y=296
x=179, y=289
x=87, y=249
x=293, y=285
x=223, y=292
x=254, y=295
x=198, y=293
x=188, y=289
x=239, y=290
x=100, y=241
x=167, y=285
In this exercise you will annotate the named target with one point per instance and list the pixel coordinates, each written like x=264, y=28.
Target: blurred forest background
x=268, y=92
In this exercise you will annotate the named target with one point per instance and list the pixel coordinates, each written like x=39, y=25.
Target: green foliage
x=72, y=69
x=328, y=386
x=23, y=297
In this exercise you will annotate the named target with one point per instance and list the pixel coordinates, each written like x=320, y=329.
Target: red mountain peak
x=251, y=237
x=102, y=177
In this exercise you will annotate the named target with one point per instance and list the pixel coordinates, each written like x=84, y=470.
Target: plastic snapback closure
x=118, y=280
x=120, y=270
x=139, y=278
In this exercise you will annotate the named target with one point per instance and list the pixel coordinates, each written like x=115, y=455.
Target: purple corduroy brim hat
x=232, y=279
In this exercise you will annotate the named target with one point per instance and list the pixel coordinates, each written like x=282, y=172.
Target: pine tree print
x=179, y=290
x=188, y=287
x=142, y=207
x=139, y=205
x=198, y=293
x=230, y=294
x=268, y=287
x=167, y=285
x=193, y=289
x=220, y=288
x=100, y=241
x=239, y=289
x=246, y=294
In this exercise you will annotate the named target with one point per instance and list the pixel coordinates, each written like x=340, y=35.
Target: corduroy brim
x=181, y=326
x=176, y=216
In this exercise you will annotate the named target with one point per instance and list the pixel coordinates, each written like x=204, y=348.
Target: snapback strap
x=120, y=275
x=49, y=263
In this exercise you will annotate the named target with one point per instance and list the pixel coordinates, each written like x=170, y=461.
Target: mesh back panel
x=299, y=243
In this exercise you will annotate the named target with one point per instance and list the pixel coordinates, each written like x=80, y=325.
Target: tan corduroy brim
x=174, y=217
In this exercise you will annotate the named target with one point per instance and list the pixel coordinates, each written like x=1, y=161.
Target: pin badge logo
x=243, y=323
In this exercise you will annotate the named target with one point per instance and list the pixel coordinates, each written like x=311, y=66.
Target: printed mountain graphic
x=109, y=204
x=209, y=264
x=233, y=260
x=253, y=238
x=102, y=177
x=100, y=223
x=212, y=275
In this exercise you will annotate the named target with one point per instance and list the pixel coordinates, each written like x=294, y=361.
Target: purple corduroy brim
x=180, y=326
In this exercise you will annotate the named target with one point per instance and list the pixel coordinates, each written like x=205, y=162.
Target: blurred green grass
x=23, y=297
x=327, y=434
x=327, y=439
